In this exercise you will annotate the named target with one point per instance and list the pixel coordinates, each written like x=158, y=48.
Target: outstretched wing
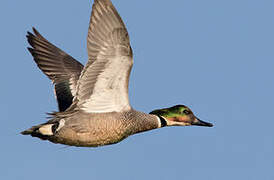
x=103, y=85
x=61, y=68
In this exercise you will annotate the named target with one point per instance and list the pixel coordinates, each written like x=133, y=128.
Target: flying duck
x=94, y=108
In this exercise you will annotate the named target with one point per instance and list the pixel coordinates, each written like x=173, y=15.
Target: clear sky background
x=215, y=56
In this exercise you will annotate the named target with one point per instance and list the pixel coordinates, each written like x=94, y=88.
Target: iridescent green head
x=179, y=115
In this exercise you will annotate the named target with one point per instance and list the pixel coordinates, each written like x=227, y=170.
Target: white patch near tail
x=46, y=129
x=61, y=124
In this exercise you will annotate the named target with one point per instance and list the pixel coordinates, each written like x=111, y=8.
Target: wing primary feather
x=61, y=68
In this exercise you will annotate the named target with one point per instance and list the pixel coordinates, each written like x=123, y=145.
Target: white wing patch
x=110, y=93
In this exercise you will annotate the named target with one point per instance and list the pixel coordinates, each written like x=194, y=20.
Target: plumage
x=103, y=85
x=93, y=101
x=61, y=68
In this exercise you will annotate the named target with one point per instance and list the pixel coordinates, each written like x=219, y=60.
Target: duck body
x=79, y=128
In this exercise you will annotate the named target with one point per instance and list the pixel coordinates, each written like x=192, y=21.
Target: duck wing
x=103, y=85
x=61, y=68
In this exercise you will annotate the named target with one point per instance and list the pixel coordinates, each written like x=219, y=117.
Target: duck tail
x=42, y=131
x=30, y=130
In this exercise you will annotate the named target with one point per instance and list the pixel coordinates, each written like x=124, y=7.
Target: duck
x=93, y=103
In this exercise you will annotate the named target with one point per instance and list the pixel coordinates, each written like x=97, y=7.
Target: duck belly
x=90, y=133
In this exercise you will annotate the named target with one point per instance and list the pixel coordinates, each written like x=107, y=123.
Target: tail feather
x=31, y=130
x=34, y=131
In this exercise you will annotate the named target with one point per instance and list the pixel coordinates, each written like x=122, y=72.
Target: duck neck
x=144, y=122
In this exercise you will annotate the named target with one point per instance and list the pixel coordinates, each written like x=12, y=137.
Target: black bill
x=198, y=122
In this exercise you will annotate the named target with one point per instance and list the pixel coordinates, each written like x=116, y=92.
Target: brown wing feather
x=61, y=68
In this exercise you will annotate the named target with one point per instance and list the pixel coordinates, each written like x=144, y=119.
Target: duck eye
x=186, y=112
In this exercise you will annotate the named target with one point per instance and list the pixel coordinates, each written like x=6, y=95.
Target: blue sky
x=214, y=56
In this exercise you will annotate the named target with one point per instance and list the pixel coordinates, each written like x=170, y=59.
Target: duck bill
x=198, y=122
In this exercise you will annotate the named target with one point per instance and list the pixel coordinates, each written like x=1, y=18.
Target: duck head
x=179, y=115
